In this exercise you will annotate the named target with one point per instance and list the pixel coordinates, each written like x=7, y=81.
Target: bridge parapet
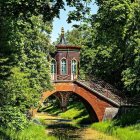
x=105, y=89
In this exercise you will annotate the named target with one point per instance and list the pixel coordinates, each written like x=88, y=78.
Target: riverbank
x=74, y=123
x=76, y=111
x=125, y=127
x=65, y=129
x=57, y=128
x=32, y=132
x=122, y=133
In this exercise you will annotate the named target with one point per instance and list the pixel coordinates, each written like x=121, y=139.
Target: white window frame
x=55, y=66
x=61, y=66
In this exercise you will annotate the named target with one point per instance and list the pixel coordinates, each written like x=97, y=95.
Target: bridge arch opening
x=68, y=99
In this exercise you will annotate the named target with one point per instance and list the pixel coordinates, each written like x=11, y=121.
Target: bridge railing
x=105, y=89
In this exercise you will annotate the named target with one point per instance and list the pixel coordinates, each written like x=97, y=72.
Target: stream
x=64, y=129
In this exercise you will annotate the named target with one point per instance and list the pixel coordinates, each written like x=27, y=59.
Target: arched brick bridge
x=99, y=98
x=96, y=102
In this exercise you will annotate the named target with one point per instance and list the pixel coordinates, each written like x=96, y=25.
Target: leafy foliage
x=13, y=118
x=110, y=44
x=117, y=25
x=24, y=71
x=24, y=53
x=48, y=8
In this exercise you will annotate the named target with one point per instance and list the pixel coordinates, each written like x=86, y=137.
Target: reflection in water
x=62, y=129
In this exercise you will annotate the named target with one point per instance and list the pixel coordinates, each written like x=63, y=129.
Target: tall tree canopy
x=25, y=27
x=117, y=26
x=110, y=41
x=24, y=70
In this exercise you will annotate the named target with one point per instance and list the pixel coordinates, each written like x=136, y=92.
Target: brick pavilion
x=65, y=62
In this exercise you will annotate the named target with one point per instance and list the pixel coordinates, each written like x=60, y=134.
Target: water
x=64, y=129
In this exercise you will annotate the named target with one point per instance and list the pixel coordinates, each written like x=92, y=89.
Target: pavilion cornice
x=67, y=47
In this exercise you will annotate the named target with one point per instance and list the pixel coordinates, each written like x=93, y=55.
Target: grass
x=122, y=133
x=33, y=132
x=76, y=116
x=51, y=110
x=75, y=111
x=125, y=127
x=71, y=113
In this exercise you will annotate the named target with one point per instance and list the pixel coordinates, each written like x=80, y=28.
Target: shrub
x=13, y=118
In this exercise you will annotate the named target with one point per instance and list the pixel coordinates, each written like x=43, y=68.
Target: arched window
x=53, y=66
x=74, y=66
x=63, y=67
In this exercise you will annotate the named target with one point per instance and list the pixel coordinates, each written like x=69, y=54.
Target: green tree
x=117, y=24
x=110, y=44
x=24, y=54
x=24, y=66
